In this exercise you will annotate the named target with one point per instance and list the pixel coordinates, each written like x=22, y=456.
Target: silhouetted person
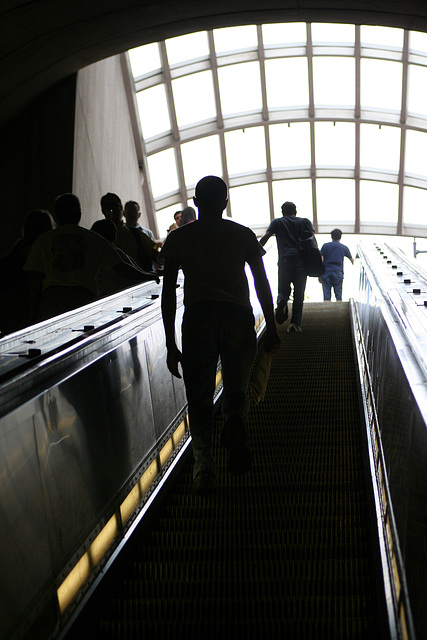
x=107, y=229
x=132, y=213
x=132, y=241
x=177, y=218
x=14, y=310
x=12, y=262
x=218, y=322
x=333, y=254
x=63, y=264
x=188, y=215
x=291, y=271
x=109, y=281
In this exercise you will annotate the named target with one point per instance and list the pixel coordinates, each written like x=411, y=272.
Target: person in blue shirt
x=333, y=254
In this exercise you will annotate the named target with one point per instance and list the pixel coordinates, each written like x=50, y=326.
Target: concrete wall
x=37, y=158
x=76, y=137
x=105, y=157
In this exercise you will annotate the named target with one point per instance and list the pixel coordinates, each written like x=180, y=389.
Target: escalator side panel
x=160, y=380
x=25, y=573
x=69, y=456
x=401, y=405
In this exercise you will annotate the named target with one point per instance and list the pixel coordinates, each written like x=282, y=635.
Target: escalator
x=289, y=550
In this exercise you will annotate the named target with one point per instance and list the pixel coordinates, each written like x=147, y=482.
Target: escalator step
x=287, y=550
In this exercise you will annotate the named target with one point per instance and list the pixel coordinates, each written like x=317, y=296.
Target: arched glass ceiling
x=330, y=116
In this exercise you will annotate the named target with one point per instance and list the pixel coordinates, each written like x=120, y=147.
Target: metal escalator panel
x=290, y=549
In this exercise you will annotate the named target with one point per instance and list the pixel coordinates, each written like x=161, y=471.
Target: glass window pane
x=415, y=153
x=381, y=84
x=235, y=38
x=189, y=109
x=335, y=201
x=379, y=147
x=323, y=32
x=334, y=81
x=297, y=191
x=287, y=82
x=240, y=88
x=418, y=41
x=386, y=36
x=249, y=204
x=334, y=144
x=145, y=59
x=245, y=150
x=417, y=90
x=163, y=173
x=201, y=158
x=378, y=202
x=153, y=111
x=188, y=47
x=414, y=206
x=165, y=218
x=290, y=145
x=284, y=33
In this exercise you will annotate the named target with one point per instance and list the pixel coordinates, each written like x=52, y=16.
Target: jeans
x=332, y=279
x=292, y=271
x=212, y=330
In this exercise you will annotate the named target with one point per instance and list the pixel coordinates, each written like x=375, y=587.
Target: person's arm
x=349, y=256
x=267, y=235
x=263, y=291
x=170, y=275
x=323, y=260
x=148, y=246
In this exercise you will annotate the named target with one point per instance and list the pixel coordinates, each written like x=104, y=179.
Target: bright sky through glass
x=319, y=118
x=201, y=156
x=245, y=149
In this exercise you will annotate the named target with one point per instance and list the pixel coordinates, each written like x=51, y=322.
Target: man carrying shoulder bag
x=290, y=230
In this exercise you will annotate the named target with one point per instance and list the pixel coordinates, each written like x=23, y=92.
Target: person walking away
x=218, y=322
x=289, y=229
x=333, y=254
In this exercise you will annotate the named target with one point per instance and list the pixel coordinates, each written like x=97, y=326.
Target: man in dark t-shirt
x=291, y=271
x=218, y=322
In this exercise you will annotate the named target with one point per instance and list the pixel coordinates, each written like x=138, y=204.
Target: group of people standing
x=58, y=265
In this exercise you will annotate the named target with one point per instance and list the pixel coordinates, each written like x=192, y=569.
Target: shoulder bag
x=309, y=252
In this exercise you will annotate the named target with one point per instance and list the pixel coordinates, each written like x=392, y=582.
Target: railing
x=390, y=328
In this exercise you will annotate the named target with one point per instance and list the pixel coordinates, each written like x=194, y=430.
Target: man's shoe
x=281, y=313
x=294, y=327
x=204, y=483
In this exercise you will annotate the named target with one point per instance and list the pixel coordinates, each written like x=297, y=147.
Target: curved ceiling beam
x=43, y=41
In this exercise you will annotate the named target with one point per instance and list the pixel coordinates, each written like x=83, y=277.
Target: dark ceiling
x=43, y=41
